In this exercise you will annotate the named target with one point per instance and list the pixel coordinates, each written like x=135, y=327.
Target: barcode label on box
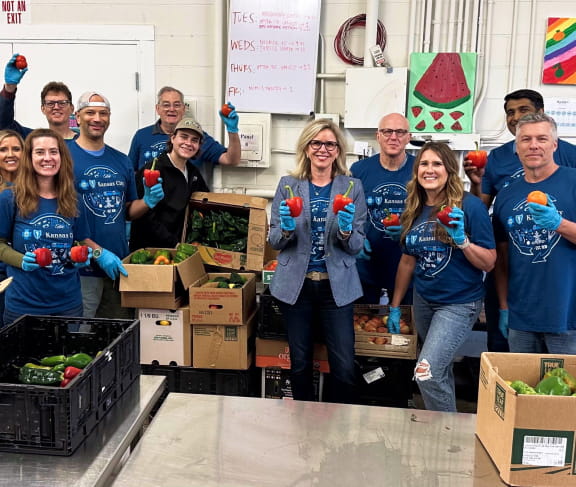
x=545, y=451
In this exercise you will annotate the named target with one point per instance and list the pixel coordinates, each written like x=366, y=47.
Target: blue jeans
x=316, y=303
x=101, y=299
x=496, y=342
x=535, y=342
x=443, y=328
x=11, y=316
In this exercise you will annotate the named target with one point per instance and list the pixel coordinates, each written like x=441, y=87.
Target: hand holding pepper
x=341, y=200
x=151, y=175
x=346, y=217
x=456, y=227
x=153, y=195
x=81, y=257
x=294, y=203
x=29, y=263
x=545, y=216
x=287, y=221
x=230, y=119
x=12, y=74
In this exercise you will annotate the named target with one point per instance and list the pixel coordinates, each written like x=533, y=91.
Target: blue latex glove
x=394, y=320
x=503, y=322
x=366, y=252
x=287, y=222
x=345, y=218
x=546, y=217
x=29, y=262
x=153, y=195
x=79, y=265
x=231, y=121
x=394, y=232
x=456, y=232
x=111, y=264
x=13, y=75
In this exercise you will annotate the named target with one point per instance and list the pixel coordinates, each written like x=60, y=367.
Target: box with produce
x=230, y=229
x=159, y=278
x=222, y=299
x=373, y=338
x=59, y=377
x=525, y=417
x=268, y=271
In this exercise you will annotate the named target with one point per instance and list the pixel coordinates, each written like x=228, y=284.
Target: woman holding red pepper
x=162, y=225
x=316, y=278
x=40, y=214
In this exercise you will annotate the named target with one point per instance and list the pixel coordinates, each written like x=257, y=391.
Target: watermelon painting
x=441, y=92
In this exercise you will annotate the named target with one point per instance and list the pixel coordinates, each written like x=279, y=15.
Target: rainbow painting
x=560, y=52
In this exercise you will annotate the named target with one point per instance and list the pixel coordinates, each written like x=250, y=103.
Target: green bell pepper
x=564, y=375
x=553, y=386
x=78, y=360
x=521, y=387
x=39, y=376
x=53, y=360
x=141, y=256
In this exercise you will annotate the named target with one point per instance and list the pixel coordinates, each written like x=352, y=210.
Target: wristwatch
x=97, y=252
x=464, y=244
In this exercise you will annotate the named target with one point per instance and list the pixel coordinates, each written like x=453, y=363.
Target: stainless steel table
x=96, y=459
x=206, y=441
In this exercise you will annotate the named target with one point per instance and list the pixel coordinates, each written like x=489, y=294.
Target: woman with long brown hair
x=41, y=210
x=447, y=260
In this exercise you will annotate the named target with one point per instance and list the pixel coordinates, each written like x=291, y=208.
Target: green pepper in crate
x=522, y=388
x=141, y=256
x=163, y=253
x=39, y=376
x=553, y=386
x=564, y=375
x=79, y=360
x=53, y=360
x=186, y=249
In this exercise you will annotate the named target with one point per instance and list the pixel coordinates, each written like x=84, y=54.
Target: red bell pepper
x=341, y=200
x=151, y=175
x=43, y=256
x=294, y=203
x=79, y=253
x=71, y=372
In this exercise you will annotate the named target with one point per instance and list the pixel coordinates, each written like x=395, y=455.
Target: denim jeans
x=443, y=328
x=533, y=342
x=2, y=277
x=101, y=299
x=496, y=342
x=11, y=316
x=317, y=303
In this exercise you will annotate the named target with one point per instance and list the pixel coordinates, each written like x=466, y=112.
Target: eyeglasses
x=388, y=132
x=60, y=103
x=167, y=105
x=329, y=145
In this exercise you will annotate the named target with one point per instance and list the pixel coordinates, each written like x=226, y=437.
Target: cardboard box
x=268, y=274
x=376, y=344
x=224, y=346
x=159, y=286
x=530, y=438
x=257, y=248
x=276, y=353
x=211, y=305
x=165, y=336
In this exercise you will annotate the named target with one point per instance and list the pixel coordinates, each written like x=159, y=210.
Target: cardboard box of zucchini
x=229, y=229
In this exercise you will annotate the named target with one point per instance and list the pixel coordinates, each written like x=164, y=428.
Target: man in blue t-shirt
x=504, y=166
x=384, y=177
x=536, y=266
x=149, y=142
x=105, y=183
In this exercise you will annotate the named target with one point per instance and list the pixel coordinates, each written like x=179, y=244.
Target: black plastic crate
x=276, y=383
x=54, y=420
x=221, y=382
x=384, y=381
x=171, y=372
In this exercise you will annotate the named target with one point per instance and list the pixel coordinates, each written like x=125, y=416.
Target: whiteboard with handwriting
x=272, y=52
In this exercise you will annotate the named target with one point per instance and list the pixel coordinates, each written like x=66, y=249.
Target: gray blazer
x=295, y=250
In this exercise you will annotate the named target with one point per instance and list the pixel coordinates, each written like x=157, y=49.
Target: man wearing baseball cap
x=162, y=226
x=105, y=183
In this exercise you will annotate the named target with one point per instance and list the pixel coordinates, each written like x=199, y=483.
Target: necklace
x=316, y=189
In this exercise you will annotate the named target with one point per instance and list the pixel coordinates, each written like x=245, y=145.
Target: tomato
x=20, y=62
x=443, y=216
x=537, y=197
x=271, y=266
x=226, y=109
x=477, y=158
x=391, y=220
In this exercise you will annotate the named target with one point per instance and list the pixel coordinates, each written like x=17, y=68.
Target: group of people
x=334, y=255
x=60, y=187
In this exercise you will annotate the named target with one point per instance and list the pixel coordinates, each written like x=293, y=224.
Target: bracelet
x=345, y=234
x=464, y=245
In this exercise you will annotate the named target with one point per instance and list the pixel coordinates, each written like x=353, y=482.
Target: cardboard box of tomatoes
x=373, y=338
x=530, y=438
x=268, y=271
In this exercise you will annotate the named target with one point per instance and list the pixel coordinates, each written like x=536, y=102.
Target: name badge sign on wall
x=272, y=53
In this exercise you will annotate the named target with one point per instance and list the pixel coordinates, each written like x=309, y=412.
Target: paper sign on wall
x=560, y=52
x=15, y=12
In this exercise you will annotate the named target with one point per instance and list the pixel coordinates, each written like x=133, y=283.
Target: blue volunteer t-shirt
x=541, y=263
x=319, y=201
x=385, y=194
x=105, y=183
x=504, y=166
x=50, y=289
x=443, y=274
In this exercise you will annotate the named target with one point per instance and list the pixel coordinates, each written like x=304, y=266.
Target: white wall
x=187, y=41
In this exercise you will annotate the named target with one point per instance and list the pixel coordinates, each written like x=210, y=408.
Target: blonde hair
x=303, y=166
x=453, y=191
x=26, y=189
x=6, y=134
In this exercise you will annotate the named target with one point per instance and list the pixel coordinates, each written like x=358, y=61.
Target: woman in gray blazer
x=316, y=277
